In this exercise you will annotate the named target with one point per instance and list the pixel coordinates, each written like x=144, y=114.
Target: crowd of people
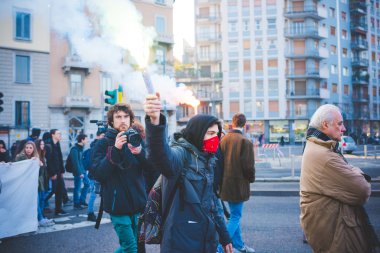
x=201, y=167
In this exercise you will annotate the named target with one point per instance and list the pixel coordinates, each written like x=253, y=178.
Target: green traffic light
x=112, y=97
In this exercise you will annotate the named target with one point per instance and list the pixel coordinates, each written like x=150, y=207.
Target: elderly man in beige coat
x=332, y=191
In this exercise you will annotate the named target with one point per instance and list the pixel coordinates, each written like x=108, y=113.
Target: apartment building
x=24, y=68
x=283, y=59
x=77, y=86
x=205, y=77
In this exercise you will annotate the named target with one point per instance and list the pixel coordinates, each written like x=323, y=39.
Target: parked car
x=347, y=144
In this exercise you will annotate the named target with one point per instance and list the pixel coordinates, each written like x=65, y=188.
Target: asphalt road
x=270, y=225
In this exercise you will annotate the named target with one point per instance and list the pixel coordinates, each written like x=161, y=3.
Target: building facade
x=283, y=59
x=24, y=69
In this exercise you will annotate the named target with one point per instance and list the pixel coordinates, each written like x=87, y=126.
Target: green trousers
x=126, y=229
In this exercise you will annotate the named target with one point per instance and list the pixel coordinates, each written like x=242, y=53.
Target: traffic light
x=1, y=102
x=120, y=94
x=112, y=97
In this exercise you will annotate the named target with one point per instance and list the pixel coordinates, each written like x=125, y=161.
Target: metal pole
x=290, y=150
x=365, y=151
x=375, y=152
x=292, y=165
x=274, y=154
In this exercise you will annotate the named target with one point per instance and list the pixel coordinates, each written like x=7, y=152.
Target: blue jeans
x=233, y=226
x=94, y=185
x=219, y=208
x=77, y=189
x=40, y=205
x=126, y=229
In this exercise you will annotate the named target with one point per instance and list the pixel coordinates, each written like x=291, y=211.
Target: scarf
x=313, y=132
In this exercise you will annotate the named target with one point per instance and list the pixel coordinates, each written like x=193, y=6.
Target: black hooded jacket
x=121, y=175
x=193, y=222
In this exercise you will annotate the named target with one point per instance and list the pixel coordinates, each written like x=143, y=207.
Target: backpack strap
x=100, y=213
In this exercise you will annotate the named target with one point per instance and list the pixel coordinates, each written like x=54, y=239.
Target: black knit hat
x=197, y=127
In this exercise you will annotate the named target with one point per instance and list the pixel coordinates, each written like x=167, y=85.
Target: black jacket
x=121, y=175
x=193, y=222
x=75, y=155
x=54, y=159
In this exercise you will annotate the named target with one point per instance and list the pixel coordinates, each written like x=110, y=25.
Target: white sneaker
x=50, y=221
x=246, y=249
x=44, y=223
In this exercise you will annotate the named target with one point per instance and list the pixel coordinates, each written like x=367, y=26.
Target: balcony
x=360, y=79
x=308, y=53
x=307, y=11
x=360, y=27
x=195, y=74
x=359, y=44
x=308, y=94
x=78, y=102
x=358, y=8
x=209, y=37
x=300, y=114
x=213, y=57
x=205, y=96
x=211, y=17
x=165, y=39
x=359, y=62
x=75, y=62
x=361, y=115
x=360, y=98
x=294, y=32
x=312, y=73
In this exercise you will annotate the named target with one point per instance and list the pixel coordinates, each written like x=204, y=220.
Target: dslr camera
x=133, y=137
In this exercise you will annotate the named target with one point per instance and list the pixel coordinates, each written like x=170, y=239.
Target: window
x=258, y=45
x=333, y=69
x=332, y=12
x=247, y=66
x=259, y=106
x=345, y=52
x=161, y=55
x=374, y=91
x=259, y=65
x=257, y=2
x=273, y=88
x=344, y=16
x=22, y=69
x=75, y=84
x=22, y=25
x=257, y=24
x=272, y=44
x=333, y=49
x=234, y=107
x=232, y=26
x=246, y=25
x=246, y=44
x=259, y=88
x=344, y=34
x=345, y=71
x=273, y=106
x=204, y=12
x=22, y=117
x=332, y=30
x=160, y=25
x=204, y=52
x=247, y=89
x=234, y=68
x=271, y=23
x=346, y=89
x=334, y=88
x=106, y=82
x=272, y=63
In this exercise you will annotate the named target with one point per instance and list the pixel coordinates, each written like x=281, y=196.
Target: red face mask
x=211, y=145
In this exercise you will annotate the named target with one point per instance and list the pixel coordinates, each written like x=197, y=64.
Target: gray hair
x=322, y=114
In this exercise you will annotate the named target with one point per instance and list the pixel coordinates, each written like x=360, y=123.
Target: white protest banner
x=18, y=197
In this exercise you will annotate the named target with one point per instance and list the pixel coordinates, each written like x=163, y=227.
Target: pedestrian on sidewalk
x=94, y=185
x=333, y=192
x=43, y=184
x=79, y=172
x=55, y=169
x=239, y=172
x=4, y=153
x=192, y=223
x=118, y=164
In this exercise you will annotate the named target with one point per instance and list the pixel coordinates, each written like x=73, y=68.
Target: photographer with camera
x=118, y=164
